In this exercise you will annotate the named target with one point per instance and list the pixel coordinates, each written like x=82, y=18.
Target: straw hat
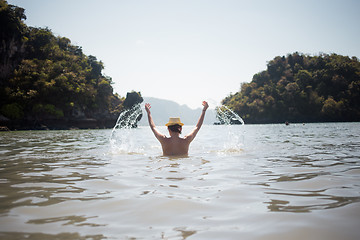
x=174, y=121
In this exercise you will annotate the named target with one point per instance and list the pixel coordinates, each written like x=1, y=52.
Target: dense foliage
x=45, y=76
x=301, y=88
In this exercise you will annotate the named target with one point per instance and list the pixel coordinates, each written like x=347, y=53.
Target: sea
x=271, y=181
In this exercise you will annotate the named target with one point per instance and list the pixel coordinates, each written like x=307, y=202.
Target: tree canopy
x=46, y=76
x=301, y=88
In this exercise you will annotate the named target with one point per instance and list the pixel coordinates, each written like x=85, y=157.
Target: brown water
x=239, y=182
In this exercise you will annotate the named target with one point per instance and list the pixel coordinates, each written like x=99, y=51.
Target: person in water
x=176, y=145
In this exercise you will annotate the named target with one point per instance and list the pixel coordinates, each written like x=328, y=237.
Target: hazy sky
x=193, y=50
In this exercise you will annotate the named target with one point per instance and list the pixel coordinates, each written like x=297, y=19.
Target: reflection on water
x=239, y=182
x=43, y=236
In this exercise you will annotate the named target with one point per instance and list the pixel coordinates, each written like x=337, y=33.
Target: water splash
x=227, y=116
x=234, y=142
x=129, y=117
x=121, y=138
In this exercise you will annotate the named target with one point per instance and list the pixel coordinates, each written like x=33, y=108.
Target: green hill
x=301, y=88
x=47, y=81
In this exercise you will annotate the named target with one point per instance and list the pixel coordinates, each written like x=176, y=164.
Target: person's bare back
x=175, y=145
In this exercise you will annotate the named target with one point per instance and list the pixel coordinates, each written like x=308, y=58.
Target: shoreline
x=57, y=124
x=93, y=124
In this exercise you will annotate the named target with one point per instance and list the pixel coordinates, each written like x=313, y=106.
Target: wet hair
x=175, y=128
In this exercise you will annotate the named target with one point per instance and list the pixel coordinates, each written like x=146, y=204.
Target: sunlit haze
x=193, y=50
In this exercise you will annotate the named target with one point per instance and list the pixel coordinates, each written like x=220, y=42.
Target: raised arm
x=157, y=134
x=192, y=135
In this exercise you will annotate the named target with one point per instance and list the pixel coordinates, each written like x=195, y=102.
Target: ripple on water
x=279, y=182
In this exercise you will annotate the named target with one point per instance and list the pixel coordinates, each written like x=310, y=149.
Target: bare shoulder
x=188, y=139
x=161, y=137
x=191, y=135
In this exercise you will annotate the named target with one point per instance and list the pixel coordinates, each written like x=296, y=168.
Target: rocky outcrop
x=10, y=52
x=12, y=40
x=132, y=98
x=126, y=118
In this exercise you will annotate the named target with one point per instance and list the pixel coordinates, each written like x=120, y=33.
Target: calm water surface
x=239, y=182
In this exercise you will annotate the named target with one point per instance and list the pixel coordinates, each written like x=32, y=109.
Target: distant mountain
x=162, y=109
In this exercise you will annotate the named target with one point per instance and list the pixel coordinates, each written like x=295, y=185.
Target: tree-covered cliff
x=301, y=88
x=44, y=76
